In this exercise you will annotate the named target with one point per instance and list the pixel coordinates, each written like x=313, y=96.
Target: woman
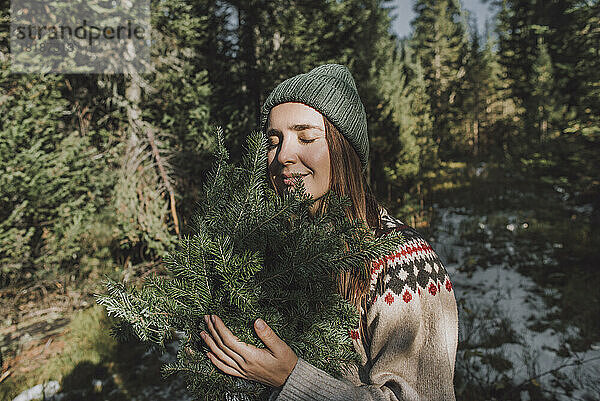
x=407, y=335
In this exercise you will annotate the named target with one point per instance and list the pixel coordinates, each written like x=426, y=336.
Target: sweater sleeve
x=412, y=330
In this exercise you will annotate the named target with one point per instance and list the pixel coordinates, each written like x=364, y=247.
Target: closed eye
x=273, y=143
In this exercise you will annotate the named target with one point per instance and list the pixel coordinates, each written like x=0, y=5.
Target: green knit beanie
x=329, y=89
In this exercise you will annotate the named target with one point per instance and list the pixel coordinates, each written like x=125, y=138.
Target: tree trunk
x=138, y=126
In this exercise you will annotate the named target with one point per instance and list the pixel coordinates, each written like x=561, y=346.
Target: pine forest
x=487, y=141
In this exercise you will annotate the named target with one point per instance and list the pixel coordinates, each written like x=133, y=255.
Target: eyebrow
x=296, y=127
x=302, y=127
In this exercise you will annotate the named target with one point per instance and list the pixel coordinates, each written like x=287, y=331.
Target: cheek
x=322, y=163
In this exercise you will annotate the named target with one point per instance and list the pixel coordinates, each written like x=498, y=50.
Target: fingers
x=228, y=347
x=222, y=366
x=269, y=338
x=270, y=366
x=218, y=353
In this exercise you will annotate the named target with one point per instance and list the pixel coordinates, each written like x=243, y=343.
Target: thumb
x=268, y=336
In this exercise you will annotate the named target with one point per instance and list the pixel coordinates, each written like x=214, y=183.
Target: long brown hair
x=347, y=179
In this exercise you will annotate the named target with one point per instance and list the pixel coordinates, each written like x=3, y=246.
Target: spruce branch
x=252, y=254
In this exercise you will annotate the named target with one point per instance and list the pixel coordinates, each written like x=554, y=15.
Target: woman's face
x=297, y=145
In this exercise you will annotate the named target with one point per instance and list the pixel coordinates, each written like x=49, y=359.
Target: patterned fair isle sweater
x=412, y=330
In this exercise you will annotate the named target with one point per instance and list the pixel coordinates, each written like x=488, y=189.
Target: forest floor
x=33, y=321
x=523, y=263
x=523, y=258
x=54, y=331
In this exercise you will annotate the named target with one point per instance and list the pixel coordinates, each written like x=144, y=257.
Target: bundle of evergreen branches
x=252, y=254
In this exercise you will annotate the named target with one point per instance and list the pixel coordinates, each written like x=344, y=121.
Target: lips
x=288, y=180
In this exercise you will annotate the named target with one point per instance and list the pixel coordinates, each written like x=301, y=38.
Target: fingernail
x=212, y=318
x=260, y=324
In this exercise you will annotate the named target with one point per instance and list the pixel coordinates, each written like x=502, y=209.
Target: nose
x=288, y=153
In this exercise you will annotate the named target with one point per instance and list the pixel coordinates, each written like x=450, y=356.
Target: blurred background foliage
x=100, y=173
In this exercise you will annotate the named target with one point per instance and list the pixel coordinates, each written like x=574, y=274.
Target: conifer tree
x=412, y=150
x=522, y=24
x=499, y=106
x=253, y=254
x=52, y=190
x=368, y=44
x=84, y=189
x=483, y=94
x=440, y=42
x=544, y=104
x=164, y=141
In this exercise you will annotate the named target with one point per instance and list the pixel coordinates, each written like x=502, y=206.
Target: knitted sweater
x=412, y=333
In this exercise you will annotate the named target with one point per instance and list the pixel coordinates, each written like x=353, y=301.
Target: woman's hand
x=271, y=365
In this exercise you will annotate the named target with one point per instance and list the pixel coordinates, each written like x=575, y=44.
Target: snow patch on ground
x=501, y=289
